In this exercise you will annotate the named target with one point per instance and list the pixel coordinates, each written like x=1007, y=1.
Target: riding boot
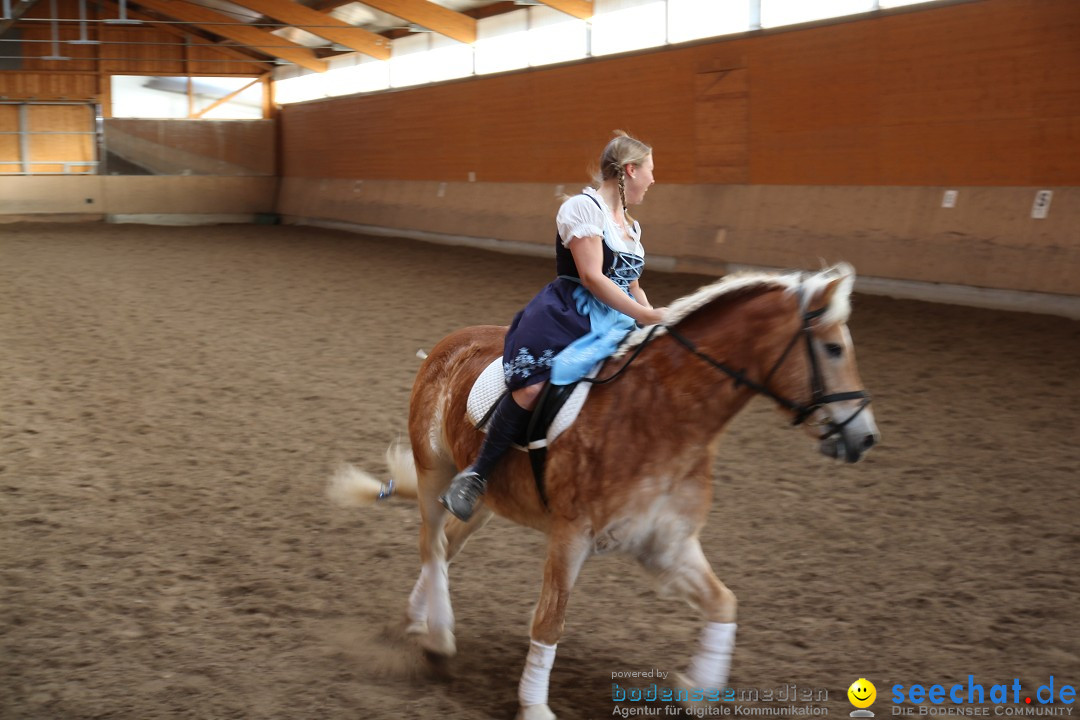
x=507, y=423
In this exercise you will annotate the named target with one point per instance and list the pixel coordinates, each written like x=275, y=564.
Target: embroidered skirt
x=541, y=331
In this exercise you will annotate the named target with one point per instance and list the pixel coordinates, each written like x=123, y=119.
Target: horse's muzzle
x=849, y=446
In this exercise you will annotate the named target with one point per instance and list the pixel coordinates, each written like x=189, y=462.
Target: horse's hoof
x=417, y=627
x=439, y=642
x=680, y=681
x=535, y=712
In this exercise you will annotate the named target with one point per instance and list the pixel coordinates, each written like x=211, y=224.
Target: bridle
x=819, y=397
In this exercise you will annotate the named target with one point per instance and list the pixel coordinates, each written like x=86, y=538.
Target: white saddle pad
x=490, y=386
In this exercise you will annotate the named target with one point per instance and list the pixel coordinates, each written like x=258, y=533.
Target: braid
x=622, y=194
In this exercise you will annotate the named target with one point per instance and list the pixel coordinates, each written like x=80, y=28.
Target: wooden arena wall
x=178, y=199
x=832, y=141
x=198, y=147
x=199, y=170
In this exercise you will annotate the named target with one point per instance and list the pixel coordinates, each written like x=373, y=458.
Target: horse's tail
x=352, y=487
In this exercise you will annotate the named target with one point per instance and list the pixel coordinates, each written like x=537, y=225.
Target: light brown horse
x=648, y=494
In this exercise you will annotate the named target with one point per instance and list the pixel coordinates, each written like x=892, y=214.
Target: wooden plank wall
x=10, y=153
x=973, y=93
x=202, y=147
x=61, y=148
x=86, y=75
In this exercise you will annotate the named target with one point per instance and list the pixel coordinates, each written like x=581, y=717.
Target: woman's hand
x=652, y=316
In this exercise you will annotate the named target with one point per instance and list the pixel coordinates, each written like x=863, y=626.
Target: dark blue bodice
x=622, y=267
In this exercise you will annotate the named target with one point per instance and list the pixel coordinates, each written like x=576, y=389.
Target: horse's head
x=814, y=369
x=785, y=337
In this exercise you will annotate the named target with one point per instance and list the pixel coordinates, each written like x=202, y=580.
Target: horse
x=679, y=384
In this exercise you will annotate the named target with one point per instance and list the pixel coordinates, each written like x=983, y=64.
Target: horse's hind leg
x=457, y=534
x=567, y=550
x=685, y=572
x=429, y=603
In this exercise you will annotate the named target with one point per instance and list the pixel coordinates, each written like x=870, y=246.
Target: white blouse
x=580, y=217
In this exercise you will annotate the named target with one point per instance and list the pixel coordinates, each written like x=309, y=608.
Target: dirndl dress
x=564, y=327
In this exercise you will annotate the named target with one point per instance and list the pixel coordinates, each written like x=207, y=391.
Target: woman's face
x=638, y=180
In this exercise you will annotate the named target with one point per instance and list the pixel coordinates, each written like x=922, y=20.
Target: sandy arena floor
x=174, y=399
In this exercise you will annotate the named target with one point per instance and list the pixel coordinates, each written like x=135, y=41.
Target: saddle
x=556, y=410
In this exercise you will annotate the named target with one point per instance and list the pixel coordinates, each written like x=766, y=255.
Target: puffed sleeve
x=579, y=217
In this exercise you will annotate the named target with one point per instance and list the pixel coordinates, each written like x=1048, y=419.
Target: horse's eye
x=834, y=350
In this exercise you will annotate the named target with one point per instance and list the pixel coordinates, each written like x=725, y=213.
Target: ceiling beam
x=323, y=25
x=228, y=27
x=17, y=11
x=581, y=9
x=221, y=101
x=436, y=18
x=187, y=35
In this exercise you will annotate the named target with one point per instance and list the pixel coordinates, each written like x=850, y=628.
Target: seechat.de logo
x=862, y=694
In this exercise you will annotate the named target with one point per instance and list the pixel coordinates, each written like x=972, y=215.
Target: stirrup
x=463, y=494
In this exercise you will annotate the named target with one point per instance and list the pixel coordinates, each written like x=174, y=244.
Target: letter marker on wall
x=1041, y=208
x=948, y=200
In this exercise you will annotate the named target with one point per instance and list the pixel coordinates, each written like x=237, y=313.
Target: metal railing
x=67, y=166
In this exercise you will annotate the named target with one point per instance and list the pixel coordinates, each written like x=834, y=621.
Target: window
x=623, y=25
x=409, y=63
x=555, y=37
x=140, y=96
x=355, y=78
x=371, y=75
x=789, y=12
x=301, y=88
x=693, y=19
x=532, y=36
x=502, y=43
x=449, y=59
x=898, y=3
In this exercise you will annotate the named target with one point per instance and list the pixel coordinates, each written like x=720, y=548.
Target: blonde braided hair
x=621, y=150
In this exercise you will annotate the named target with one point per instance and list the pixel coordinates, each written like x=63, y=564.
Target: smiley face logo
x=862, y=693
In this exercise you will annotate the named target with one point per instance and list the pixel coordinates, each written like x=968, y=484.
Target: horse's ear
x=825, y=297
x=834, y=295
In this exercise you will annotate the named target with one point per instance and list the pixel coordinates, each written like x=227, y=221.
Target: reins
x=648, y=339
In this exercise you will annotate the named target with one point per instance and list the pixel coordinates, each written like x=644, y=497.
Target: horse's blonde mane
x=839, y=306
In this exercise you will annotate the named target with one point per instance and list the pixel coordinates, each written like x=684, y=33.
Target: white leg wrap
x=440, y=613
x=418, y=598
x=709, y=668
x=533, y=689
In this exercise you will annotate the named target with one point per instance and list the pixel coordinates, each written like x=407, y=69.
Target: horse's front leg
x=686, y=573
x=567, y=550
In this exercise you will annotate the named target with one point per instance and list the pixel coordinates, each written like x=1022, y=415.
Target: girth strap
x=552, y=398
